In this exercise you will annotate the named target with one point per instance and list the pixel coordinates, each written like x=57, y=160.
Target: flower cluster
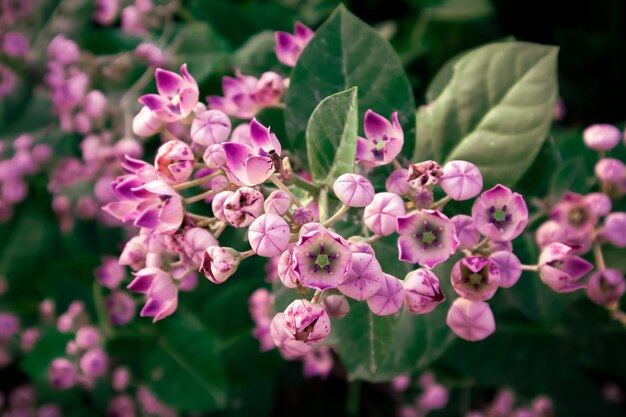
x=14, y=44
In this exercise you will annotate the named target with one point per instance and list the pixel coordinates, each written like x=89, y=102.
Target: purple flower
x=422, y=292
x=510, y=267
x=606, y=287
x=602, y=137
x=461, y=180
x=427, y=238
x=322, y=259
x=500, y=214
x=63, y=50
x=9, y=325
x=318, y=362
x=252, y=165
x=574, y=215
x=210, y=127
x=163, y=210
x=560, y=270
x=380, y=216
x=300, y=327
x=475, y=278
x=62, y=373
x=120, y=308
x=466, y=232
x=269, y=235
x=151, y=54
x=302, y=216
x=598, y=203
x=174, y=161
x=94, y=363
x=289, y=47
x=614, y=229
x=364, y=279
x=610, y=170
x=110, y=274
x=278, y=202
x=243, y=206
x=87, y=337
x=177, y=96
x=353, y=190
x=195, y=242
x=424, y=175
x=389, y=297
x=336, y=306
x=162, y=298
x=471, y=320
x=7, y=80
x=398, y=182
x=106, y=11
x=219, y=263
x=383, y=140
x=134, y=253
x=15, y=44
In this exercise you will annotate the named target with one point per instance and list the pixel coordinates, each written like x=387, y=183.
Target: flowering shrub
x=341, y=229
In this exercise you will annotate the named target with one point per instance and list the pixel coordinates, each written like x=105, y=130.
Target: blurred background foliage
x=204, y=359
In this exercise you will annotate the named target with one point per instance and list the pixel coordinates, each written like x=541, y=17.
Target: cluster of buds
x=22, y=401
x=433, y=396
x=14, y=45
x=580, y=224
x=120, y=306
x=26, y=159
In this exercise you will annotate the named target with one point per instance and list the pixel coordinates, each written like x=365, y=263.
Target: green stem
x=277, y=182
x=338, y=215
x=198, y=181
x=323, y=204
x=304, y=184
x=101, y=312
x=440, y=203
x=597, y=254
x=199, y=197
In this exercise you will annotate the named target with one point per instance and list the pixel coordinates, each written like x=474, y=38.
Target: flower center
x=577, y=216
x=322, y=260
x=429, y=236
x=500, y=217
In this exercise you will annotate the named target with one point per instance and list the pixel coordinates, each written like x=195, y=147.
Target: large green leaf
x=344, y=53
x=331, y=137
x=495, y=111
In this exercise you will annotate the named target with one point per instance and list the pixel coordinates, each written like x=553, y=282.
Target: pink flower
x=162, y=211
x=353, y=190
x=475, y=278
x=300, y=327
x=219, y=263
x=602, y=137
x=424, y=175
x=422, y=292
x=471, y=320
x=560, y=270
x=398, y=182
x=120, y=308
x=195, y=243
x=381, y=214
x=427, y=238
x=510, y=267
x=289, y=47
x=15, y=44
x=389, y=297
x=278, y=202
x=134, y=253
x=383, y=140
x=87, y=337
x=62, y=373
x=177, y=96
x=322, y=259
x=210, y=128
x=461, y=180
x=606, y=287
x=94, y=363
x=162, y=298
x=269, y=235
x=318, y=362
x=214, y=156
x=174, y=162
x=252, y=165
x=500, y=214
x=146, y=124
x=364, y=279
x=243, y=206
x=598, y=203
x=151, y=54
x=285, y=269
x=614, y=229
x=466, y=231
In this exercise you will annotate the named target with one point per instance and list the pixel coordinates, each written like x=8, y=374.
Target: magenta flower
x=94, y=363
x=614, y=229
x=466, y=232
x=269, y=235
x=243, y=206
x=151, y=54
x=427, y=238
x=318, y=362
x=289, y=47
x=162, y=298
x=610, y=170
x=252, y=165
x=162, y=211
x=461, y=180
x=602, y=137
x=269, y=89
x=110, y=274
x=471, y=320
x=300, y=327
x=422, y=292
x=195, y=242
x=475, y=278
x=15, y=44
x=500, y=214
x=278, y=202
x=322, y=259
x=353, y=190
x=174, y=162
x=87, y=337
x=336, y=306
x=210, y=127
x=389, y=297
x=380, y=216
x=560, y=270
x=120, y=308
x=574, y=215
x=62, y=374
x=177, y=96
x=134, y=253
x=424, y=175
x=606, y=287
x=383, y=140
x=218, y=263
x=364, y=279
x=144, y=279
x=509, y=266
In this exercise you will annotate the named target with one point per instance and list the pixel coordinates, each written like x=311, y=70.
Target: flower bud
x=509, y=266
x=398, y=182
x=29, y=338
x=9, y=326
x=466, y=232
x=218, y=263
x=610, y=169
x=560, y=269
x=606, y=287
x=471, y=320
x=278, y=202
x=151, y=54
x=218, y=203
x=389, y=297
x=243, y=206
x=434, y=397
x=269, y=89
x=599, y=203
x=336, y=306
x=120, y=308
x=318, y=362
x=87, y=337
x=285, y=270
x=95, y=104
x=214, y=156
x=174, y=161
x=615, y=229
x=269, y=235
x=302, y=216
x=120, y=378
x=94, y=363
x=211, y=127
x=110, y=274
x=364, y=279
x=475, y=278
x=196, y=242
x=602, y=137
x=302, y=323
x=353, y=190
x=62, y=374
x=146, y=124
x=461, y=180
x=422, y=292
x=128, y=146
x=381, y=214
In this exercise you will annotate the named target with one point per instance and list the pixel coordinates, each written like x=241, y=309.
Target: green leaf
x=495, y=111
x=51, y=345
x=569, y=176
x=460, y=10
x=344, y=53
x=331, y=137
x=257, y=54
